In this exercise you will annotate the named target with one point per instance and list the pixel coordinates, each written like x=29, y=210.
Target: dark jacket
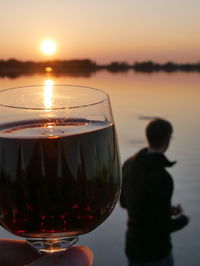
x=146, y=194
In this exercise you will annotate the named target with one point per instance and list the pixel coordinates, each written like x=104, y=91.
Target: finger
x=75, y=256
x=16, y=252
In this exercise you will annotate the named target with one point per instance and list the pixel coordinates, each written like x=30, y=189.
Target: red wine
x=59, y=176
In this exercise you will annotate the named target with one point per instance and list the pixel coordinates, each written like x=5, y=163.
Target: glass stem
x=49, y=245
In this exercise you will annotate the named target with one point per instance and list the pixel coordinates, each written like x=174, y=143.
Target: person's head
x=158, y=133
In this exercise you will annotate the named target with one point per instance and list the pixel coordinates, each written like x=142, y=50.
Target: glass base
x=50, y=245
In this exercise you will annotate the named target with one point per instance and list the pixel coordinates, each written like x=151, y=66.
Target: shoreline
x=86, y=67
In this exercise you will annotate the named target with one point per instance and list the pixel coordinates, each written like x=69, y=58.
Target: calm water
x=135, y=98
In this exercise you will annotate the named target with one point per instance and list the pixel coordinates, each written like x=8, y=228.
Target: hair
x=158, y=132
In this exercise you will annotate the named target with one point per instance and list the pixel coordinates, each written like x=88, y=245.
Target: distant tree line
x=86, y=67
x=14, y=68
x=150, y=66
x=168, y=67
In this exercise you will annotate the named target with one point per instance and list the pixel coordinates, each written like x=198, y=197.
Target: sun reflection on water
x=48, y=94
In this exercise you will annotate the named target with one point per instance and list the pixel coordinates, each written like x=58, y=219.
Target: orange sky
x=128, y=30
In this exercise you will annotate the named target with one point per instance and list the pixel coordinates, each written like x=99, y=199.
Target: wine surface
x=57, y=176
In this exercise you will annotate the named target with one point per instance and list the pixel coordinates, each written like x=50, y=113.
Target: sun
x=48, y=46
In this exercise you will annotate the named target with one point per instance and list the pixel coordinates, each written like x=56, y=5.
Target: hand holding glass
x=59, y=164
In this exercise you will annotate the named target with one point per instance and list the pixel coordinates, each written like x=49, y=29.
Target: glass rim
x=55, y=108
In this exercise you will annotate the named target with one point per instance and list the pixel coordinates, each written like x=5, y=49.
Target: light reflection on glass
x=48, y=94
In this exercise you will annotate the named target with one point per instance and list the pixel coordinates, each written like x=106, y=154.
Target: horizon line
x=95, y=62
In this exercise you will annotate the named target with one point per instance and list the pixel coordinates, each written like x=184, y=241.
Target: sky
x=103, y=31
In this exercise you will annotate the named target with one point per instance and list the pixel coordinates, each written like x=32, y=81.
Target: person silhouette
x=147, y=190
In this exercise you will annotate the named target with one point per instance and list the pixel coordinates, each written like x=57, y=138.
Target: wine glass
x=59, y=163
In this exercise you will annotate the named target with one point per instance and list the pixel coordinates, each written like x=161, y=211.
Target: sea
x=136, y=98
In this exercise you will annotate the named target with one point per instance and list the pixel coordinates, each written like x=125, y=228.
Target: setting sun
x=48, y=47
